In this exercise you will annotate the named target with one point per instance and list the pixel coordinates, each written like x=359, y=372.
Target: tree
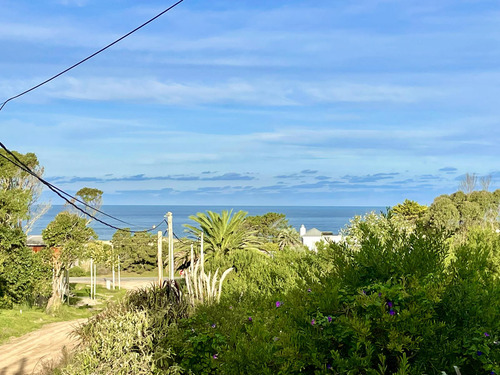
x=67, y=235
x=443, y=214
x=485, y=182
x=468, y=183
x=409, y=210
x=21, y=270
x=223, y=233
x=93, y=198
x=137, y=252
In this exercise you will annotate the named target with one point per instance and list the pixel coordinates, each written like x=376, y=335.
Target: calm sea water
x=331, y=218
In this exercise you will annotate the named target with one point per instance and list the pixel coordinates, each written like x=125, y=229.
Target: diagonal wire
x=60, y=193
x=89, y=57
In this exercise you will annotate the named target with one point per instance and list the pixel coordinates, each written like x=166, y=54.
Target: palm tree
x=223, y=233
x=288, y=237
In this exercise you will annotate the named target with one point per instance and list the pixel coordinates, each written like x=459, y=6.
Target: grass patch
x=25, y=319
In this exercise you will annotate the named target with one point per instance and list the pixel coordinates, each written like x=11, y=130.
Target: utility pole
x=113, y=260
x=160, y=259
x=91, y=278
x=119, y=275
x=170, y=247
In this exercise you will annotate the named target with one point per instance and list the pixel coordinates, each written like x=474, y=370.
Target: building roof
x=313, y=233
x=35, y=240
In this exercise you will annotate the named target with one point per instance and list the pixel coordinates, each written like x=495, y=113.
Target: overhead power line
x=89, y=57
x=62, y=194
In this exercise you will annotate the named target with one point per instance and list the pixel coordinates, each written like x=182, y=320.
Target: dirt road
x=24, y=355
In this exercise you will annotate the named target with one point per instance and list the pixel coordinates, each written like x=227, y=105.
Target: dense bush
x=25, y=277
x=387, y=305
x=77, y=272
x=398, y=297
x=123, y=339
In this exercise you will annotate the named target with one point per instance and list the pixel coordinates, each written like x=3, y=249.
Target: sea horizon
x=151, y=217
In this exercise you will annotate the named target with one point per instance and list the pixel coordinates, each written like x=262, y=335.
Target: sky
x=362, y=102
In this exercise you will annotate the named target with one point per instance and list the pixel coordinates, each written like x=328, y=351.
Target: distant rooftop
x=35, y=240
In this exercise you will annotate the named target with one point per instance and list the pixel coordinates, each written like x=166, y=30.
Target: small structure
x=313, y=236
x=35, y=242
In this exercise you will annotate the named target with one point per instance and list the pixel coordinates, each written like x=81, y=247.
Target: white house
x=312, y=236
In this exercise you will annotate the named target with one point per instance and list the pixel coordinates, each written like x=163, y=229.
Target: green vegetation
x=137, y=252
x=415, y=290
x=411, y=291
x=23, y=318
x=67, y=233
x=24, y=277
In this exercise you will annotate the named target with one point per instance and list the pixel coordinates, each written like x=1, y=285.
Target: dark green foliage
x=138, y=252
x=273, y=228
x=460, y=211
x=24, y=277
x=394, y=299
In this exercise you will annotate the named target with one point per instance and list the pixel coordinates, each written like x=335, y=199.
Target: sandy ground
x=24, y=355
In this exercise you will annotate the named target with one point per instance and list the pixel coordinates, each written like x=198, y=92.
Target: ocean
x=324, y=218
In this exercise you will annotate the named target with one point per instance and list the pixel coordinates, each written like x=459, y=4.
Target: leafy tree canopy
x=17, y=188
x=410, y=210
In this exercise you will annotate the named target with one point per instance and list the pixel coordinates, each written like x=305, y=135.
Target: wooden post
x=119, y=275
x=95, y=280
x=170, y=247
x=160, y=259
x=113, y=259
x=91, y=277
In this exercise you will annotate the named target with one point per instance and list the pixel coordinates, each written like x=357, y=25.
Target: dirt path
x=24, y=355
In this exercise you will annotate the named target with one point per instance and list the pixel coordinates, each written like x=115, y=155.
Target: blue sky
x=256, y=102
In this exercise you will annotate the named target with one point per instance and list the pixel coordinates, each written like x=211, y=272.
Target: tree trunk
x=57, y=280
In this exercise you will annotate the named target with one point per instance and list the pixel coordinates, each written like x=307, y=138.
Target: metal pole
x=170, y=247
x=160, y=259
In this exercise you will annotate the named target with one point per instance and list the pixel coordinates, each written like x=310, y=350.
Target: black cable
x=89, y=57
x=60, y=193
x=181, y=241
x=25, y=168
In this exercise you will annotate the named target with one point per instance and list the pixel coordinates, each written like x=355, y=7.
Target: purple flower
x=309, y=290
x=486, y=334
x=329, y=366
x=364, y=292
x=250, y=319
x=278, y=303
x=313, y=322
x=329, y=319
x=215, y=356
x=392, y=312
x=389, y=304
x=214, y=325
x=479, y=352
x=380, y=294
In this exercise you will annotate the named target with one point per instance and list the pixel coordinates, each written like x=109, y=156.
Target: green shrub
x=77, y=272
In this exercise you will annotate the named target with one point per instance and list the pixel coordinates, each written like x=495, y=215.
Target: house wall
x=310, y=241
